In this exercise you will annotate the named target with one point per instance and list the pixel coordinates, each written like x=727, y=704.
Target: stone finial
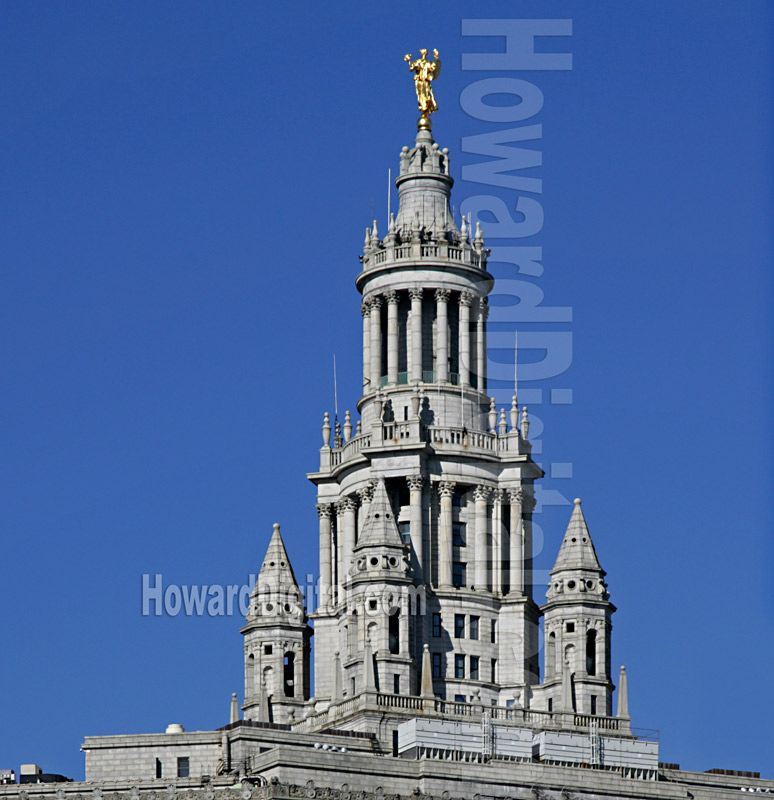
x=622, y=711
x=337, y=440
x=358, y=427
x=514, y=414
x=524, y=424
x=326, y=430
x=492, y=416
x=234, y=716
x=426, y=688
x=347, y=426
x=503, y=426
x=375, y=235
x=367, y=242
x=336, y=692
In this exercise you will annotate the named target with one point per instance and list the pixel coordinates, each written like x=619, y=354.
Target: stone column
x=298, y=672
x=497, y=540
x=392, y=337
x=349, y=507
x=416, y=334
x=483, y=312
x=339, y=545
x=445, y=553
x=480, y=495
x=415, y=483
x=442, y=334
x=516, y=498
x=366, y=312
x=324, y=511
x=376, y=341
x=466, y=298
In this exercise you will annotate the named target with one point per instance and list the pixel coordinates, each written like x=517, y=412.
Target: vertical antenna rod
x=335, y=391
x=389, y=197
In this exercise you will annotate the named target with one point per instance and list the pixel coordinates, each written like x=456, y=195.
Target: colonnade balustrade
x=400, y=340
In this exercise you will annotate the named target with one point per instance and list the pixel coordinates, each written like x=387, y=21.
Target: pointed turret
x=276, y=640
x=380, y=528
x=577, y=550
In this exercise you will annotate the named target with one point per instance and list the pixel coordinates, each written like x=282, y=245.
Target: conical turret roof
x=577, y=550
x=276, y=570
x=380, y=528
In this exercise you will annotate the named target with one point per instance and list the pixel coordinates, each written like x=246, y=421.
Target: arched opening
x=591, y=652
x=394, y=631
x=569, y=657
x=551, y=655
x=288, y=675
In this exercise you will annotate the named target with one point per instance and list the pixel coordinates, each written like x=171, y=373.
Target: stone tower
x=425, y=505
x=276, y=642
x=577, y=625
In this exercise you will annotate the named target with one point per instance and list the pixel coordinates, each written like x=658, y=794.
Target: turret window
x=593, y=704
x=394, y=631
x=473, y=627
x=458, y=534
x=458, y=574
x=459, y=626
x=570, y=628
x=267, y=649
x=288, y=675
x=474, y=661
x=438, y=665
x=183, y=767
x=436, y=624
x=591, y=653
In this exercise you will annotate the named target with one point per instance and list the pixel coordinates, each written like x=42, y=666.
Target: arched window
x=591, y=652
x=288, y=674
x=551, y=655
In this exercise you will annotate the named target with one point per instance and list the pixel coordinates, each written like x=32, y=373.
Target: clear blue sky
x=185, y=189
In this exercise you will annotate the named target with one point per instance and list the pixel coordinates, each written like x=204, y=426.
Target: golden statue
x=425, y=72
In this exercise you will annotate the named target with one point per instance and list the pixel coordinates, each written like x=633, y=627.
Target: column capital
x=375, y=302
x=415, y=481
x=483, y=308
x=325, y=510
x=365, y=307
x=466, y=298
x=446, y=488
x=516, y=496
x=416, y=293
x=498, y=495
x=529, y=504
x=366, y=493
x=482, y=492
x=442, y=295
x=346, y=504
x=391, y=296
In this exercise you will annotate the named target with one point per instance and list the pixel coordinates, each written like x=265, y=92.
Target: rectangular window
x=459, y=698
x=438, y=665
x=456, y=500
x=396, y=684
x=570, y=627
x=159, y=770
x=183, y=767
x=458, y=574
x=436, y=624
x=459, y=666
x=474, y=668
x=550, y=704
x=459, y=626
x=494, y=670
x=353, y=687
x=395, y=744
x=458, y=534
x=473, y=630
x=593, y=699
x=405, y=532
x=267, y=649
x=493, y=634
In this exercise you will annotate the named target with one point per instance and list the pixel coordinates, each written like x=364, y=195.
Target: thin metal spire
x=389, y=197
x=335, y=392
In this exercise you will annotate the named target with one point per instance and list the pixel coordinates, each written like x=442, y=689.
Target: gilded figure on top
x=425, y=72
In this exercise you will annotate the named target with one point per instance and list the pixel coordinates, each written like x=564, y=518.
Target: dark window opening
x=473, y=629
x=591, y=652
x=457, y=500
x=183, y=767
x=288, y=675
x=405, y=532
x=493, y=635
x=436, y=624
x=395, y=744
x=267, y=649
x=459, y=666
x=437, y=665
x=458, y=574
x=159, y=769
x=396, y=684
x=570, y=627
x=474, y=668
x=459, y=698
x=550, y=704
x=593, y=699
x=459, y=626
x=394, y=632
x=458, y=534
x=494, y=670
